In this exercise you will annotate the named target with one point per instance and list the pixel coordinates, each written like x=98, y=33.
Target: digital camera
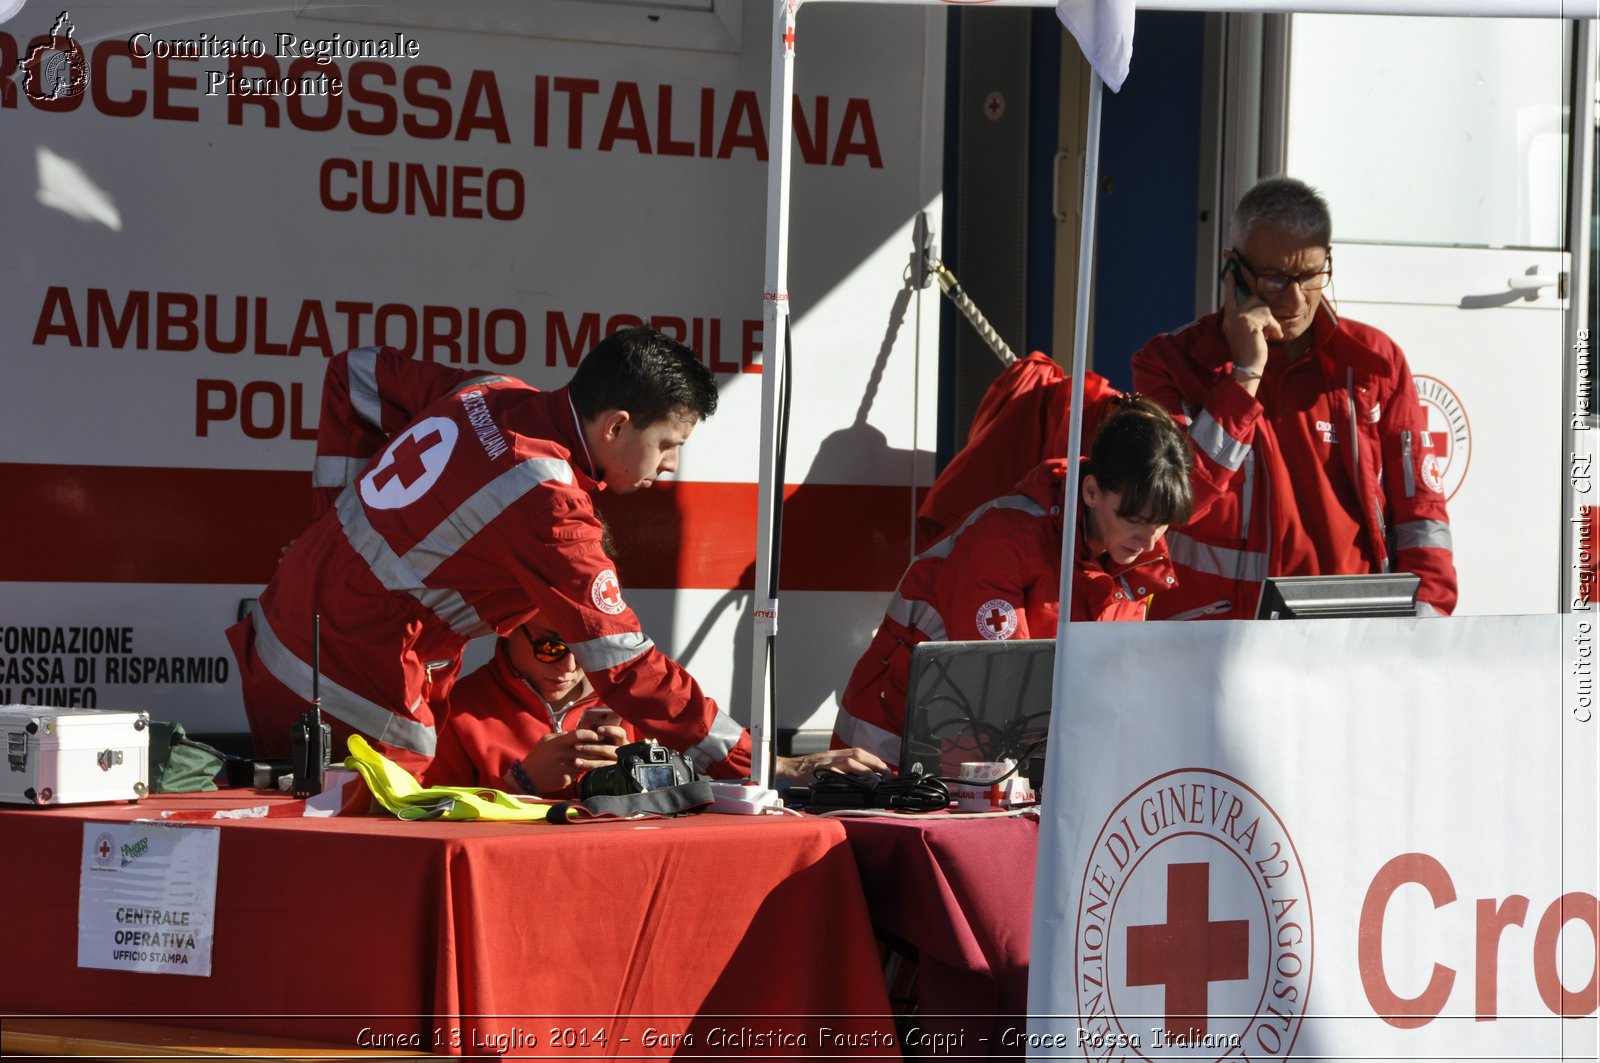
x=640, y=768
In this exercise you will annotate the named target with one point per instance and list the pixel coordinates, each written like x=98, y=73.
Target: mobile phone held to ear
x=1240, y=291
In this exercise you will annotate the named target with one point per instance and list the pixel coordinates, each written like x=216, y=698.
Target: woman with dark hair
x=997, y=575
x=1135, y=484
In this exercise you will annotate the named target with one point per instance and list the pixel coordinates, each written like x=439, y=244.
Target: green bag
x=178, y=763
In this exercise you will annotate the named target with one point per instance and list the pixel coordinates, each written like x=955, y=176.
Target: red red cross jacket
x=997, y=576
x=1255, y=495
x=495, y=718
x=474, y=510
x=1021, y=421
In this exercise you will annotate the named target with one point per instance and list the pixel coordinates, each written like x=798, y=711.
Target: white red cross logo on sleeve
x=410, y=465
x=606, y=593
x=997, y=619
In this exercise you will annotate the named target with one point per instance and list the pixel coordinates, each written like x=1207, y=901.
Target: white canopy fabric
x=1104, y=30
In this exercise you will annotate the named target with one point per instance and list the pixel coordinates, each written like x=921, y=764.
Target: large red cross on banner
x=1189, y=951
x=407, y=463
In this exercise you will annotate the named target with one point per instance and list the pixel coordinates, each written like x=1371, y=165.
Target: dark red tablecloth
x=734, y=935
x=960, y=890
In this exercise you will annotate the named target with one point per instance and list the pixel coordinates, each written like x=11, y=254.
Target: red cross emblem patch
x=606, y=593
x=410, y=465
x=997, y=619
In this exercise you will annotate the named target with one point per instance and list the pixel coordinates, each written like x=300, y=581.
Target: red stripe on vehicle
x=836, y=537
x=100, y=524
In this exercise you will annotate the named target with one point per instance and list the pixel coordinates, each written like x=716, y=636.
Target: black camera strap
x=667, y=801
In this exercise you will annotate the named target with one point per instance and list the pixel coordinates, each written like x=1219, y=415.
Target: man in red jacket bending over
x=454, y=505
x=1312, y=452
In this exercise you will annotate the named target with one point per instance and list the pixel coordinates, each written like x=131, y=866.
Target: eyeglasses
x=1270, y=284
x=546, y=649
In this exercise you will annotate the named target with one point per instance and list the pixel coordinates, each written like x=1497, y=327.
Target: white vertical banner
x=1319, y=839
x=147, y=897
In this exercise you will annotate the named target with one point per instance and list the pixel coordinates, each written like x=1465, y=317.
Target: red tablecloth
x=960, y=890
x=733, y=934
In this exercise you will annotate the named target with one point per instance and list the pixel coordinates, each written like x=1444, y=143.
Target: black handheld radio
x=310, y=737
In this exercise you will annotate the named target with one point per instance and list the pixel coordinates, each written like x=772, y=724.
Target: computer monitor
x=1312, y=597
x=976, y=700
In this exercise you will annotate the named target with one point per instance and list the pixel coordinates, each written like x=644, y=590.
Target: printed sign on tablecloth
x=147, y=897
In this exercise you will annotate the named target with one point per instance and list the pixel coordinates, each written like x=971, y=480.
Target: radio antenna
x=310, y=738
x=316, y=667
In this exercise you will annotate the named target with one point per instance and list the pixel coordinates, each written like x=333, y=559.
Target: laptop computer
x=976, y=701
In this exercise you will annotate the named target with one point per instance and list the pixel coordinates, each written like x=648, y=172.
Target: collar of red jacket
x=1153, y=564
x=565, y=431
x=1338, y=346
x=1047, y=485
x=510, y=676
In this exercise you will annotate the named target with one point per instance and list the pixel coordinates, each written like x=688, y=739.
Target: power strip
x=744, y=799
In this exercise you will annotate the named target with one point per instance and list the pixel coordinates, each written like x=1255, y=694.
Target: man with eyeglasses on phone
x=1312, y=451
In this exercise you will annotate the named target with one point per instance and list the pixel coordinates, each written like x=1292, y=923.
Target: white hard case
x=73, y=756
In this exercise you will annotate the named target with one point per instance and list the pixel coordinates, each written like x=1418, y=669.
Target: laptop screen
x=976, y=701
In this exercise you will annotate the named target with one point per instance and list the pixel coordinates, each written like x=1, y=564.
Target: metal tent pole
x=775, y=315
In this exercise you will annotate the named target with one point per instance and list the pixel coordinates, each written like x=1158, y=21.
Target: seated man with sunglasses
x=1312, y=451
x=527, y=721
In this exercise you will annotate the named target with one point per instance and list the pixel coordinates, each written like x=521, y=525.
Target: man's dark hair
x=1141, y=454
x=1288, y=203
x=645, y=373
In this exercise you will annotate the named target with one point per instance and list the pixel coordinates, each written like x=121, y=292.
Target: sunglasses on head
x=546, y=649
